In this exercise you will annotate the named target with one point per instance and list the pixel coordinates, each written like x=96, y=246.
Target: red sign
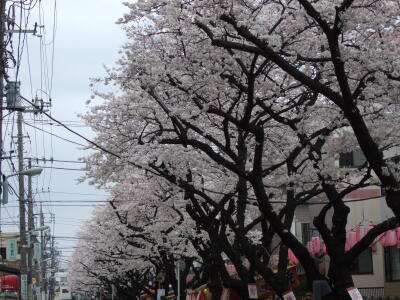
x=9, y=283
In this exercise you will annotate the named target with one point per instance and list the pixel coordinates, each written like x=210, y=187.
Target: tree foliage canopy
x=230, y=114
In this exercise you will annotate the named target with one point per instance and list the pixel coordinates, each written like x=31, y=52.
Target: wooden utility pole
x=21, y=197
x=2, y=75
x=31, y=227
x=43, y=264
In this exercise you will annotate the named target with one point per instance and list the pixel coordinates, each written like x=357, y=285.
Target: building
x=4, y=241
x=62, y=289
x=377, y=270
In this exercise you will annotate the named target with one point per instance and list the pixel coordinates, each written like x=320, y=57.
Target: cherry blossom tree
x=242, y=104
x=135, y=244
x=104, y=258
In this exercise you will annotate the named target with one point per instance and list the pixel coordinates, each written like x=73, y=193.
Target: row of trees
x=228, y=116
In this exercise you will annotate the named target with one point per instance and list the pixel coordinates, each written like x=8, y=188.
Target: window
x=353, y=159
x=363, y=263
x=392, y=263
x=305, y=232
x=394, y=166
x=3, y=252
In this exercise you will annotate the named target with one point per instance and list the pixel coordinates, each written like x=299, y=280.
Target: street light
x=34, y=232
x=28, y=172
x=41, y=228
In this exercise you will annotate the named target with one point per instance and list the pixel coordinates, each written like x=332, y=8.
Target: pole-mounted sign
x=11, y=251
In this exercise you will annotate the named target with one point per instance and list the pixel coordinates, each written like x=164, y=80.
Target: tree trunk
x=215, y=289
x=123, y=295
x=341, y=279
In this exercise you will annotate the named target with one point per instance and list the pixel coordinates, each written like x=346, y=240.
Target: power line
x=29, y=67
x=72, y=201
x=72, y=219
x=70, y=193
x=48, y=121
x=76, y=133
x=55, y=135
x=86, y=139
x=66, y=224
x=59, y=168
x=12, y=219
x=72, y=247
x=65, y=205
x=55, y=16
x=56, y=160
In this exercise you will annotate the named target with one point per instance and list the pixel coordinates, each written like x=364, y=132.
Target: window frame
x=3, y=252
x=305, y=229
x=352, y=159
x=357, y=263
x=388, y=264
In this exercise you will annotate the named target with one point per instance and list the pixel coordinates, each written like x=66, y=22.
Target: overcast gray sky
x=86, y=38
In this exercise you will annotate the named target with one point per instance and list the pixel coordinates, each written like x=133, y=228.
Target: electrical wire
x=29, y=68
x=25, y=8
x=72, y=201
x=59, y=168
x=57, y=160
x=55, y=16
x=69, y=218
x=12, y=219
x=70, y=193
x=64, y=205
x=57, y=136
x=74, y=132
x=19, y=47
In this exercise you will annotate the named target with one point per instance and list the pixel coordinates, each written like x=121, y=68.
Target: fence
x=372, y=292
x=382, y=298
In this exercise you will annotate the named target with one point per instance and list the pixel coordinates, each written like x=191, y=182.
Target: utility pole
x=2, y=75
x=43, y=263
x=52, y=270
x=22, y=224
x=31, y=227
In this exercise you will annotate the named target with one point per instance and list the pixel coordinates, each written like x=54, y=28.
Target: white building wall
x=367, y=212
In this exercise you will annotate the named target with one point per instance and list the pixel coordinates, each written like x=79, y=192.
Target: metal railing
x=372, y=292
